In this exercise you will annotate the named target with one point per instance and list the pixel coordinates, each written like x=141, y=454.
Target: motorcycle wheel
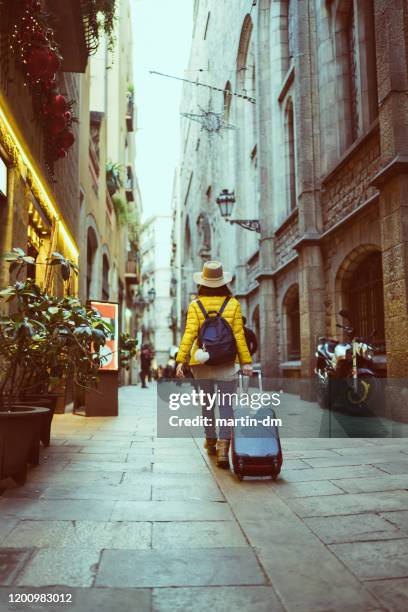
x=365, y=395
x=323, y=390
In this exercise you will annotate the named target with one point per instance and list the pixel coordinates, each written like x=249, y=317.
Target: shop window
x=31, y=268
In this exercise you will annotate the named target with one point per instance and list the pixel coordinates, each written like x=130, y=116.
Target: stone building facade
x=155, y=321
x=110, y=202
x=320, y=159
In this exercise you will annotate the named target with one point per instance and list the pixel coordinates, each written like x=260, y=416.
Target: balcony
x=130, y=111
x=132, y=269
x=70, y=33
x=129, y=184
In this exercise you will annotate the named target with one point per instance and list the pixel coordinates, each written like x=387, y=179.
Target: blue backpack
x=216, y=336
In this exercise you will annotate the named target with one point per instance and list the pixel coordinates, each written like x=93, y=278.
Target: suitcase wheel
x=274, y=475
x=240, y=476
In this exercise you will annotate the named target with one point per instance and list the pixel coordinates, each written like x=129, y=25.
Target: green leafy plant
x=121, y=209
x=114, y=180
x=127, y=350
x=134, y=228
x=130, y=95
x=101, y=18
x=46, y=339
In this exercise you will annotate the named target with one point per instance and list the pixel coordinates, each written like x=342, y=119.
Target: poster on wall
x=109, y=311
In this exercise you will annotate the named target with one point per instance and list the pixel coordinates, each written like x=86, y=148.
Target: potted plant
x=127, y=350
x=114, y=180
x=43, y=340
x=121, y=209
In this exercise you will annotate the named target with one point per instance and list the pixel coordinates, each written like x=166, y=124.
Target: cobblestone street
x=125, y=521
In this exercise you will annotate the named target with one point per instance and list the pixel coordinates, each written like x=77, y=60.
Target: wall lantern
x=226, y=201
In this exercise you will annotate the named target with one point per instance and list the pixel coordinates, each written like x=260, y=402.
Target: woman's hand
x=179, y=371
x=247, y=369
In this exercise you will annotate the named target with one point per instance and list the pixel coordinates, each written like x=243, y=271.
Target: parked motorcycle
x=345, y=372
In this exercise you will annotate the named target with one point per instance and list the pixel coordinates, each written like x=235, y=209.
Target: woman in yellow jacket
x=212, y=291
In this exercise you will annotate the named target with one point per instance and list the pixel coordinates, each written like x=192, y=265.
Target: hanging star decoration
x=211, y=122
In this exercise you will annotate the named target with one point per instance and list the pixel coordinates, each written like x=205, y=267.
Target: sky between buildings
x=162, y=32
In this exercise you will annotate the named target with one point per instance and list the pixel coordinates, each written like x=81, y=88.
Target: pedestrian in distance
x=213, y=342
x=145, y=364
x=250, y=338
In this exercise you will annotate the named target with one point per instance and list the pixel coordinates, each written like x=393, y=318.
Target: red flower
x=66, y=140
x=57, y=125
x=59, y=104
x=37, y=63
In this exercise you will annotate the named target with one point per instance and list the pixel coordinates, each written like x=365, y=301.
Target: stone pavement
x=121, y=520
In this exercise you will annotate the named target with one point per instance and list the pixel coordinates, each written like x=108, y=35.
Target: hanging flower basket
x=38, y=57
x=99, y=19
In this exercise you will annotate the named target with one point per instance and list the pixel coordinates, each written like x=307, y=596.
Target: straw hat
x=212, y=275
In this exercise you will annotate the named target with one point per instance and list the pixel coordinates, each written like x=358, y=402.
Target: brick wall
x=349, y=185
x=285, y=240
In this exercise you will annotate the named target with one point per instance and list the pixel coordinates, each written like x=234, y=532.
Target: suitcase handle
x=241, y=375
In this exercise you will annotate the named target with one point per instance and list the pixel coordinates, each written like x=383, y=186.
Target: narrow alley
x=115, y=518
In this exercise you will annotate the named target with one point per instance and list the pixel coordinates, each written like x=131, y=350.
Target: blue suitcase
x=255, y=449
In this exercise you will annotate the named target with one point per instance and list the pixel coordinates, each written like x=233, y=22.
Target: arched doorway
x=363, y=297
x=291, y=323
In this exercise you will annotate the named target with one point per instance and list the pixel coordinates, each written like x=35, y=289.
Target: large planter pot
x=48, y=400
x=19, y=440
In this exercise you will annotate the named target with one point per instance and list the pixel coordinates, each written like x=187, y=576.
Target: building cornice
x=308, y=239
x=271, y=274
x=243, y=294
x=399, y=165
x=356, y=211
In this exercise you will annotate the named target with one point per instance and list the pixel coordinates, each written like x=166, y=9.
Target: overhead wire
x=212, y=87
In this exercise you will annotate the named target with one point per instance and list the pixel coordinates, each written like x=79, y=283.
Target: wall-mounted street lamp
x=151, y=294
x=226, y=201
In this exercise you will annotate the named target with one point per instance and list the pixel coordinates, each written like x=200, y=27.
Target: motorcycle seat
x=329, y=347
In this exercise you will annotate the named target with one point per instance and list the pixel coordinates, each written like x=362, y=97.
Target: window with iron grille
x=366, y=299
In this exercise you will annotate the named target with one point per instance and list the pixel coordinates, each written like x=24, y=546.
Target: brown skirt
x=225, y=371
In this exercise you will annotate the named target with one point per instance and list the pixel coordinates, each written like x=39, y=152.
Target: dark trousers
x=225, y=406
x=143, y=375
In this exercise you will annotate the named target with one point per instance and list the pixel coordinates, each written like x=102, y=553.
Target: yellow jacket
x=195, y=318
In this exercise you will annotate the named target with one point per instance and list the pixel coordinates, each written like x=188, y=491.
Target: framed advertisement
x=109, y=311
